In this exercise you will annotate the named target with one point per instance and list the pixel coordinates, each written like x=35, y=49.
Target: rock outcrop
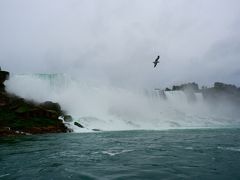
x=20, y=116
x=4, y=75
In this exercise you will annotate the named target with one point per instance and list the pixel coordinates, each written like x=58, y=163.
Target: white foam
x=115, y=152
x=237, y=149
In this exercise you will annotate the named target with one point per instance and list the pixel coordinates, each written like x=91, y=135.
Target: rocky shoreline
x=19, y=116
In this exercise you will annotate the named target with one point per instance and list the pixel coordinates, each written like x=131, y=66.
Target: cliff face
x=19, y=116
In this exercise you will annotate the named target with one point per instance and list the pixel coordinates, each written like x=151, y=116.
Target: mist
x=115, y=42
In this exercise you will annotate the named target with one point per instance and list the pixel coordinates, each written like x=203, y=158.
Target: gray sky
x=115, y=41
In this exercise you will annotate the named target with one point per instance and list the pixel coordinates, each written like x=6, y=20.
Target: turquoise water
x=173, y=154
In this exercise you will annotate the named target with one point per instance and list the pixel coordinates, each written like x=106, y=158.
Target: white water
x=107, y=108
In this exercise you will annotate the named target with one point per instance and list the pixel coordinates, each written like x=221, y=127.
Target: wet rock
x=78, y=124
x=68, y=118
x=4, y=75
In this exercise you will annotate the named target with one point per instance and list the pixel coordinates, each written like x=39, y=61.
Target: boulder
x=78, y=124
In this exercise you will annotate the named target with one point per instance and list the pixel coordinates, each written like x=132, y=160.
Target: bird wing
x=156, y=61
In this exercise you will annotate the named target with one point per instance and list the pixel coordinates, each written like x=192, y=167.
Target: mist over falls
x=104, y=107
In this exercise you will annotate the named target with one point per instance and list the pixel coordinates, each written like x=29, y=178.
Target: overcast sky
x=116, y=41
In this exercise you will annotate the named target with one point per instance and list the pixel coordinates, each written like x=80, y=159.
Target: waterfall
x=110, y=108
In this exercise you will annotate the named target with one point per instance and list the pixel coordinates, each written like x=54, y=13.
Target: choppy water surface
x=174, y=154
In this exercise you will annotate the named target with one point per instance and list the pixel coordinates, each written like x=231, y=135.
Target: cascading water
x=108, y=108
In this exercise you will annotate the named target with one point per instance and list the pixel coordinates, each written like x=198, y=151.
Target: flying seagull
x=156, y=61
